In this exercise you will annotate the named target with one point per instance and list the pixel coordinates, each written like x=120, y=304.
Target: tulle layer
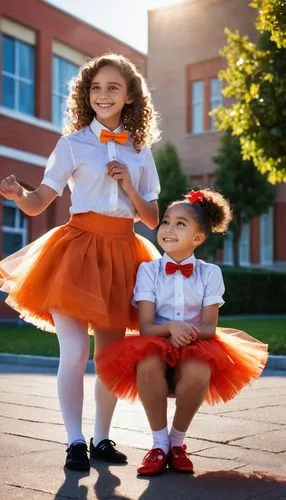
x=85, y=269
x=235, y=359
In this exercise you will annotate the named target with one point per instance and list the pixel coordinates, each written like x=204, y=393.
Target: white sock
x=74, y=352
x=105, y=402
x=176, y=437
x=161, y=439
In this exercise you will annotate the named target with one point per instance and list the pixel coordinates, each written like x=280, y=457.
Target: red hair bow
x=195, y=197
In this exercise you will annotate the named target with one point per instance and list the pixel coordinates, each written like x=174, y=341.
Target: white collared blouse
x=175, y=296
x=80, y=159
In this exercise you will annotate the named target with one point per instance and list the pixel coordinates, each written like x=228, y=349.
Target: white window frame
x=215, y=101
x=15, y=30
x=195, y=103
x=16, y=77
x=69, y=54
x=17, y=229
x=266, y=251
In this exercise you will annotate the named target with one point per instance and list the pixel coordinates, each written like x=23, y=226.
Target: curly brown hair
x=138, y=118
x=212, y=213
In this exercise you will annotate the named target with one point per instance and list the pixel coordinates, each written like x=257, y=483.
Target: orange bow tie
x=186, y=269
x=120, y=137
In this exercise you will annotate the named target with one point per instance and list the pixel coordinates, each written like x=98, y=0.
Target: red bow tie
x=107, y=135
x=186, y=269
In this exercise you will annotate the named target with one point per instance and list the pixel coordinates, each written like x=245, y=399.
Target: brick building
x=42, y=47
x=183, y=63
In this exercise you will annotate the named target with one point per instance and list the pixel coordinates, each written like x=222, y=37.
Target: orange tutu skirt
x=85, y=269
x=234, y=357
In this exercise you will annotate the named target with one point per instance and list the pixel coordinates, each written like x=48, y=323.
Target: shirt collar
x=189, y=260
x=96, y=128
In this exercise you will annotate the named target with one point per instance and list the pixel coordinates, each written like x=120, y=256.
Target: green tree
x=173, y=180
x=272, y=19
x=208, y=250
x=248, y=191
x=255, y=81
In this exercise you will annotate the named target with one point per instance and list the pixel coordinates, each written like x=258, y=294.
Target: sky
x=124, y=19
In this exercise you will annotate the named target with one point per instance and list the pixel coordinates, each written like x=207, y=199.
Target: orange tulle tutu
x=86, y=269
x=235, y=359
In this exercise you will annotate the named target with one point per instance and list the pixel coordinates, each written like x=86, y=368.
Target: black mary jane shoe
x=105, y=451
x=77, y=458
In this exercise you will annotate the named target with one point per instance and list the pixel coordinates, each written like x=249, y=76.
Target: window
x=228, y=250
x=215, y=98
x=15, y=228
x=18, y=75
x=63, y=72
x=244, y=247
x=266, y=238
x=203, y=94
x=197, y=100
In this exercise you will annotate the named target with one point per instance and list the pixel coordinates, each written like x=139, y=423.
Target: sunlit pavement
x=238, y=449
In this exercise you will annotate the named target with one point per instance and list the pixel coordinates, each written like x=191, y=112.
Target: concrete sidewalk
x=238, y=449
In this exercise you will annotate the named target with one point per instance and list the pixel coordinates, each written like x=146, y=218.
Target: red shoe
x=179, y=460
x=153, y=463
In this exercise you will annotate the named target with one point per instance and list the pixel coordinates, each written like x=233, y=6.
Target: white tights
x=74, y=352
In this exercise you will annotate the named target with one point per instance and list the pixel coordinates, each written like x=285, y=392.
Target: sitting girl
x=180, y=349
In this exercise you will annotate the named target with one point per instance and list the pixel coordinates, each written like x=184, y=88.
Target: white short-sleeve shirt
x=175, y=296
x=80, y=159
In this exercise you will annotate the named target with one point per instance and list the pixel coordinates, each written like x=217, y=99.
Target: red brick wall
x=184, y=43
x=185, y=40
x=254, y=241
x=55, y=24
x=26, y=137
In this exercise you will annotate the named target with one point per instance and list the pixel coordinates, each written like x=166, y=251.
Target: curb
x=277, y=362
x=273, y=363
x=39, y=361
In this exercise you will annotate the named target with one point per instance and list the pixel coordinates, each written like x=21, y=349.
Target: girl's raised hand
x=120, y=172
x=10, y=188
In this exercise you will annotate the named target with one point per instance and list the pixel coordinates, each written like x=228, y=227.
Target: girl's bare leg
x=191, y=388
x=153, y=390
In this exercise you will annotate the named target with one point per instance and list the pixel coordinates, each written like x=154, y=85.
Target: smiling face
x=179, y=234
x=108, y=95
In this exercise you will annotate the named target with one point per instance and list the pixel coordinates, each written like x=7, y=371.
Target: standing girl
x=80, y=276
x=180, y=348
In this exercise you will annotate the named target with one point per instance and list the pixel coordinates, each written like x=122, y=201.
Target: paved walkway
x=239, y=449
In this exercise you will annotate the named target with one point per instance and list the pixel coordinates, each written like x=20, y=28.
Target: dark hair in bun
x=210, y=210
